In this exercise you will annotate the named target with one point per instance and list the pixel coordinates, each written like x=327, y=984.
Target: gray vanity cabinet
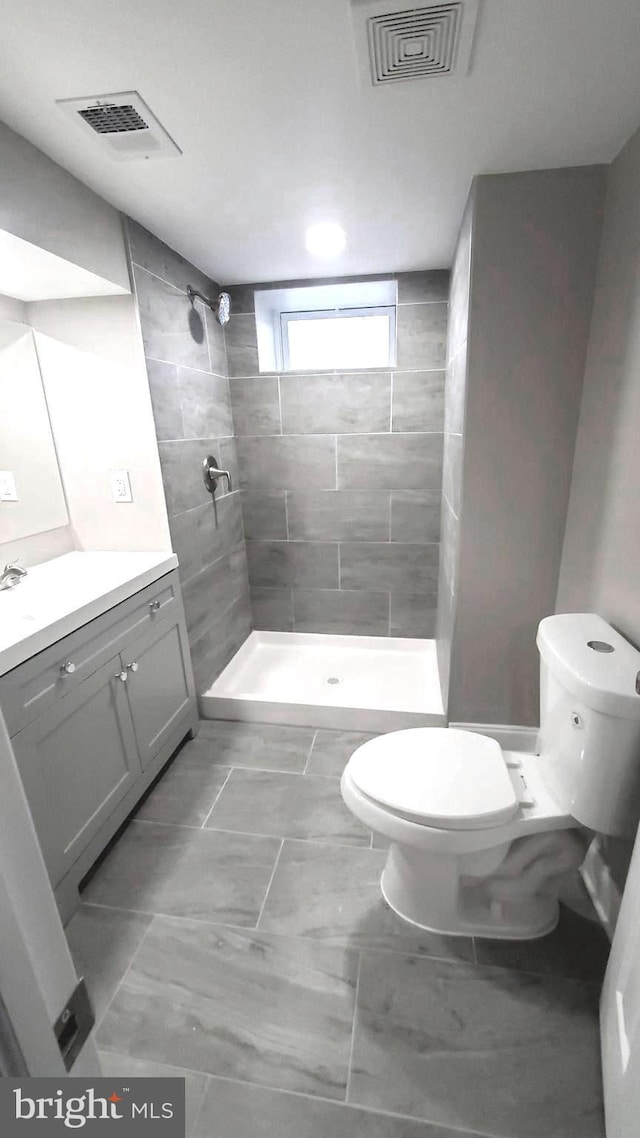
x=157, y=687
x=93, y=718
x=77, y=763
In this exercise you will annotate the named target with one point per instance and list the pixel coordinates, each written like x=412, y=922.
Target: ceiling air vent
x=399, y=42
x=122, y=125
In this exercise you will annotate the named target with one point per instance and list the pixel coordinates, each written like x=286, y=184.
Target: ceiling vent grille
x=429, y=41
x=123, y=126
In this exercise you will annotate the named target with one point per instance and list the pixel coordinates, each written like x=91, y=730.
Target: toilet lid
x=437, y=776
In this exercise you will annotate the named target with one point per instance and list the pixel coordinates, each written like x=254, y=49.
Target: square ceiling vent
x=400, y=42
x=122, y=125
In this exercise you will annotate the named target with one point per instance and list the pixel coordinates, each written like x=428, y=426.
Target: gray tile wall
x=341, y=477
x=187, y=368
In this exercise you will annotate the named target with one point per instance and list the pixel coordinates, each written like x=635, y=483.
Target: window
x=340, y=339
x=327, y=327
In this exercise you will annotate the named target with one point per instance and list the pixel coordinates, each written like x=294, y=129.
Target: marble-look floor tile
x=332, y=750
x=186, y=790
x=263, y=746
x=288, y=806
x=173, y=870
x=508, y=1054
x=577, y=948
x=332, y=894
x=237, y=1110
x=116, y=1066
x=227, y=1002
x=102, y=943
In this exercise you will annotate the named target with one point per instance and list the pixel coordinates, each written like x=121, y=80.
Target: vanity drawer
x=38, y=683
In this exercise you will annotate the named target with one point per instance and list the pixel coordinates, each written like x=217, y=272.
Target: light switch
x=120, y=485
x=8, y=489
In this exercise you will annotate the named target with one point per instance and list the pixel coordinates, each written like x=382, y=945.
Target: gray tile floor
x=235, y=934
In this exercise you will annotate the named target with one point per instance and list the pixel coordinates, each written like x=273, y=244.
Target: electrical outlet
x=120, y=485
x=8, y=489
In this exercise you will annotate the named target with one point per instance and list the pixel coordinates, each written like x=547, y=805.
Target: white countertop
x=59, y=596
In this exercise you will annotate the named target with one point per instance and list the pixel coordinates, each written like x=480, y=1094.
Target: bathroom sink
x=59, y=596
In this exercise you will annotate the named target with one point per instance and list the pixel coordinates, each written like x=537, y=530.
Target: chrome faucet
x=11, y=576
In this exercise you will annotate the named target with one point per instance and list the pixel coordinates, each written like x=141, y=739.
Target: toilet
x=481, y=838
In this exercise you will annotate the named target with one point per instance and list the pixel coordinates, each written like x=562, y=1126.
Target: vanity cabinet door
x=159, y=686
x=77, y=761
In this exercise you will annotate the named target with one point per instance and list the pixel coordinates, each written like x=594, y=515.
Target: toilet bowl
x=482, y=839
x=456, y=808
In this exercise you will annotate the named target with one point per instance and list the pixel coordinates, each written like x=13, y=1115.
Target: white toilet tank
x=590, y=721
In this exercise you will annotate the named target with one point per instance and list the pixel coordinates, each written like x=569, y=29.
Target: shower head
x=221, y=306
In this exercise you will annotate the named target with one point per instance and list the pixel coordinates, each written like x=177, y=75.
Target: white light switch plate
x=8, y=489
x=120, y=485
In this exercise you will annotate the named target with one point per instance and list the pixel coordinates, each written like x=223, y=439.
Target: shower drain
x=333, y=680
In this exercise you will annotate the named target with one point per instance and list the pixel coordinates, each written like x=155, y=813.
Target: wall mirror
x=31, y=494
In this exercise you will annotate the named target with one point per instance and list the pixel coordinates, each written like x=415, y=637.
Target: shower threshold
x=357, y=683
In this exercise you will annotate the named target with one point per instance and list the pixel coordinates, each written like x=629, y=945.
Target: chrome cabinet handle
x=68, y=669
x=154, y=606
x=133, y=667
x=121, y=676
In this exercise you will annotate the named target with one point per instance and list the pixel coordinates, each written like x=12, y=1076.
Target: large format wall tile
x=272, y=609
x=306, y=564
x=265, y=515
x=390, y=567
x=172, y=328
x=392, y=462
x=336, y=404
x=256, y=406
x=349, y=457
x=415, y=515
x=164, y=386
x=338, y=515
x=242, y=345
x=288, y=462
x=206, y=404
x=187, y=368
x=422, y=336
x=413, y=614
x=347, y=613
x=423, y=287
x=418, y=400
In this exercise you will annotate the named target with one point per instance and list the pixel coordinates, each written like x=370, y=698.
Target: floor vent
x=398, y=43
x=123, y=125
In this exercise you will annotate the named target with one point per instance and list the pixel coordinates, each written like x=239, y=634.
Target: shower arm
x=193, y=294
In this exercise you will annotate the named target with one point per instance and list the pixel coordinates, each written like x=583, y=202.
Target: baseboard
x=601, y=887
x=510, y=738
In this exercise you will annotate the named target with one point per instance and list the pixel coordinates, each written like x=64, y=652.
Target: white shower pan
x=357, y=683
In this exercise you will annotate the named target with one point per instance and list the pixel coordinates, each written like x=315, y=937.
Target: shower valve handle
x=211, y=472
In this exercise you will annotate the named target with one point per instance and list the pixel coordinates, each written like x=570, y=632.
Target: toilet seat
x=443, y=778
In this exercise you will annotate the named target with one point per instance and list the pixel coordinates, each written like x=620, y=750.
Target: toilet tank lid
x=592, y=661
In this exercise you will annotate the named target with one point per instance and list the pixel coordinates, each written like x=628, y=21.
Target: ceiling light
x=326, y=239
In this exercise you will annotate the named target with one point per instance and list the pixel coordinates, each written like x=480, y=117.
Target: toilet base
x=444, y=902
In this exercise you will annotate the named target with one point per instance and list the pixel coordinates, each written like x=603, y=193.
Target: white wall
x=43, y=204
x=95, y=379
x=600, y=567
x=534, y=253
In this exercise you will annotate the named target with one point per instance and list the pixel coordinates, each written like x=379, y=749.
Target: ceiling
x=278, y=131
